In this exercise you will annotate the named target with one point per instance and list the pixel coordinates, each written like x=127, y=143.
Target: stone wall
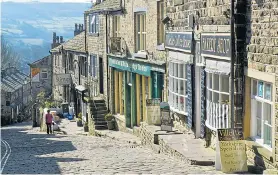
x=263, y=51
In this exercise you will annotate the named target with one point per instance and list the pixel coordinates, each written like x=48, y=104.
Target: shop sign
x=232, y=150
x=179, y=41
x=216, y=45
x=62, y=79
x=131, y=66
x=166, y=121
x=153, y=111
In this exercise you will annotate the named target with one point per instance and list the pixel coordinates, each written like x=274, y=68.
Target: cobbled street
x=31, y=152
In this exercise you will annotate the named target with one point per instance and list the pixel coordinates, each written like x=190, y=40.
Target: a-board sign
x=232, y=150
x=166, y=121
x=153, y=111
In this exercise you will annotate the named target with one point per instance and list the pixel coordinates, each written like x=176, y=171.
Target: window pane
x=176, y=86
x=224, y=98
x=267, y=113
x=181, y=70
x=267, y=92
x=138, y=42
x=181, y=105
x=185, y=71
x=267, y=135
x=176, y=102
x=259, y=119
x=254, y=87
x=181, y=88
x=144, y=42
x=215, y=97
x=224, y=84
x=185, y=87
x=215, y=82
x=209, y=80
x=138, y=23
x=260, y=88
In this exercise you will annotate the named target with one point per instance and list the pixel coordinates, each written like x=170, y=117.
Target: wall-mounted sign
x=62, y=79
x=131, y=65
x=179, y=41
x=232, y=150
x=216, y=45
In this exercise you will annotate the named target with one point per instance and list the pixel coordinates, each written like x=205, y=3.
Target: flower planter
x=79, y=123
x=110, y=125
x=86, y=128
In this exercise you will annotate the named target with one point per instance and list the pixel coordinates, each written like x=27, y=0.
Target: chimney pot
x=61, y=39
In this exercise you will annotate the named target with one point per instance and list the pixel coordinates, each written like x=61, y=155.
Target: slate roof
x=13, y=81
x=42, y=61
x=76, y=44
x=108, y=5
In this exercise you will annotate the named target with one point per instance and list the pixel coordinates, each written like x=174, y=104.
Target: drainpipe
x=232, y=42
x=107, y=67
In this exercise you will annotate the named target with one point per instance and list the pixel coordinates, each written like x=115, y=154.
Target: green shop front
x=132, y=82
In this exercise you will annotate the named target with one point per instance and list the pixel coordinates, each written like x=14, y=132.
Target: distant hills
x=29, y=26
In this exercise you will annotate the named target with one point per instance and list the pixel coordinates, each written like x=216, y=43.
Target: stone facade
x=261, y=60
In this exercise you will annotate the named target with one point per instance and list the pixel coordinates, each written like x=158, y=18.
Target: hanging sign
x=35, y=73
x=232, y=150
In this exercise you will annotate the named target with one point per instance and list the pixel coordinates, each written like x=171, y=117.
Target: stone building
x=70, y=62
x=15, y=94
x=261, y=81
x=135, y=58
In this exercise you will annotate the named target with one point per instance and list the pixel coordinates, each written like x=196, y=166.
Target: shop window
x=160, y=15
x=177, y=86
x=140, y=31
x=262, y=112
x=116, y=26
x=94, y=24
x=217, y=88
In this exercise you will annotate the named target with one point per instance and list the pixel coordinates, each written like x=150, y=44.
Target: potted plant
x=79, y=120
x=86, y=127
x=109, y=118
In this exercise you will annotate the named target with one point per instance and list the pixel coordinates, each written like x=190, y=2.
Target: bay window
x=262, y=112
x=177, y=86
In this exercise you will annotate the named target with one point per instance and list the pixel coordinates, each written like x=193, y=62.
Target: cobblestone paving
x=33, y=152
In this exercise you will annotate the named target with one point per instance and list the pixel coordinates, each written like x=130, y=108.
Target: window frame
x=174, y=88
x=94, y=25
x=160, y=25
x=255, y=99
x=140, y=20
x=44, y=71
x=116, y=25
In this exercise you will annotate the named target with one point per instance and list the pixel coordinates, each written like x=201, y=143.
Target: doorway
x=101, y=75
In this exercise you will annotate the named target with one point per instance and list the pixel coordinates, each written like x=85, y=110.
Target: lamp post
x=232, y=43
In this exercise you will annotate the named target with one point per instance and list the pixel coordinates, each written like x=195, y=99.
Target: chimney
x=61, y=39
x=57, y=39
x=82, y=28
x=54, y=37
x=75, y=27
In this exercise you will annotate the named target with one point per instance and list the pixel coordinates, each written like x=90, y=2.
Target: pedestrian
x=48, y=119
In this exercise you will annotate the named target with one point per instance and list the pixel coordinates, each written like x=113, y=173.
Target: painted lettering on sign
x=180, y=41
x=216, y=45
x=62, y=79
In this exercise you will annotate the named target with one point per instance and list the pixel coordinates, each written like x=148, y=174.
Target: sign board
x=166, y=121
x=62, y=79
x=153, y=111
x=216, y=45
x=35, y=73
x=232, y=150
x=181, y=41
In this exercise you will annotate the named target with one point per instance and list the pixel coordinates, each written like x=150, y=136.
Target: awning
x=80, y=88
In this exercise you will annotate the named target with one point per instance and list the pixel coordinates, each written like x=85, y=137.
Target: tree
x=8, y=55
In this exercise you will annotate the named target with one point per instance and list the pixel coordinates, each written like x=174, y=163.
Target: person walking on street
x=48, y=119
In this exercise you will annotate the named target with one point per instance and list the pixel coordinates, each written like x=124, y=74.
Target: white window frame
x=141, y=32
x=175, y=91
x=255, y=99
x=94, y=23
x=44, y=71
x=213, y=91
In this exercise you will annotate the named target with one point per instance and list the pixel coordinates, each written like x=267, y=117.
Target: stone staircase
x=98, y=111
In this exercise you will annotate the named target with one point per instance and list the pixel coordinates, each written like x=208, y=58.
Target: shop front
x=134, y=81
x=181, y=67
x=215, y=48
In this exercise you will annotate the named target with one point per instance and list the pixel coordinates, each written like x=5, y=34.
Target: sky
x=77, y=1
